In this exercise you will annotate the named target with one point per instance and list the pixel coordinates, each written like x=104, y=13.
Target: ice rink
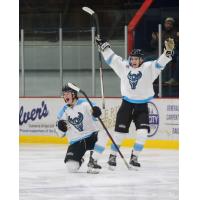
x=43, y=176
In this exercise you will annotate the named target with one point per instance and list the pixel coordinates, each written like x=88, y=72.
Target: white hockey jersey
x=136, y=83
x=80, y=122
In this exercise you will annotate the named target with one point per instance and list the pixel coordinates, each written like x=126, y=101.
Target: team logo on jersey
x=77, y=122
x=133, y=79
x=153, y=119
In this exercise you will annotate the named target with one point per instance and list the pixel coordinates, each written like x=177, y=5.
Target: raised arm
x=165, y=58
x=113, y=60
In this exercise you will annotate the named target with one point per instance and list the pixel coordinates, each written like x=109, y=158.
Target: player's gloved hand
x=102, y=44
x=96, y=111
x=62, y=125
x=169, y=47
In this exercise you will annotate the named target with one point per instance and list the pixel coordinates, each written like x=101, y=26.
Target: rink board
x=161, y=144
x=37, y=118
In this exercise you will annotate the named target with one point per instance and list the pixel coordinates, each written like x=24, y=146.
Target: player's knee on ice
x=72, y=166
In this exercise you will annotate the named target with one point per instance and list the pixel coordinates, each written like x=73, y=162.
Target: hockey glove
x=102, y=44
x=62, y=125
x=96, y=111
x=169, y=47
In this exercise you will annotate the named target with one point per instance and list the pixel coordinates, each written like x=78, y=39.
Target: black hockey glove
x=102, y=44
x=62, y=125
x=96, y=111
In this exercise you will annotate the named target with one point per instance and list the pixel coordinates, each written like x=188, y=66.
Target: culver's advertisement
x=37, y=116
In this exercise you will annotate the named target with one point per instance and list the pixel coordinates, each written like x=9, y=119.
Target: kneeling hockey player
x=78, y=121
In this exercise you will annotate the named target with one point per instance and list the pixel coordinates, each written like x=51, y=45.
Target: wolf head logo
x=133, y=79
x=77, y=122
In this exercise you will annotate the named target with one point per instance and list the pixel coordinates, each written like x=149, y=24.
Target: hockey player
x=78, y=121
x=137, y=79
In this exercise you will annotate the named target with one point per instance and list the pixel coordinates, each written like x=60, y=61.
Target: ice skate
x=134, y=164
x=93, y=167
x=112, y=162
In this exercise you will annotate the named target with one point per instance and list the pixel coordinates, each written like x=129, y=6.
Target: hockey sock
x=98, y=150
x=72, y=166
x=100, y=145
x=141, y=136
x=118, y=138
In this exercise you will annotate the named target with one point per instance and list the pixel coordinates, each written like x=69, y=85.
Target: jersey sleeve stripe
x=109, y=60
x=61, y=112
x=158, y=66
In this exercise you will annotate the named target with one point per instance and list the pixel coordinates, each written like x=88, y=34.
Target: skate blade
x=111, y=168
x=134, y=168
x=93, y=171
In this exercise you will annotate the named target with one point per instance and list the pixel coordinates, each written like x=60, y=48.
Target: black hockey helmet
x=66, y=88
x=137, y=53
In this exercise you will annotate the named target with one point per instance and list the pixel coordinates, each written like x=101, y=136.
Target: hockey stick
x=109, y=135
x=96, y=19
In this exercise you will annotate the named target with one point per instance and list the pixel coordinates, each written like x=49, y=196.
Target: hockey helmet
x=137, y=53
x=66, y=88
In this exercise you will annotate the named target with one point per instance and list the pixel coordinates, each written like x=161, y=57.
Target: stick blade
x=72, y=86
x=88, y=10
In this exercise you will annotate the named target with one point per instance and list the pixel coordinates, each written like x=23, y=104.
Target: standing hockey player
x=137, y=79
x=78, y=121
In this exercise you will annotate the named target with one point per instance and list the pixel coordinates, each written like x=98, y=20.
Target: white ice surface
x=43, y=176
